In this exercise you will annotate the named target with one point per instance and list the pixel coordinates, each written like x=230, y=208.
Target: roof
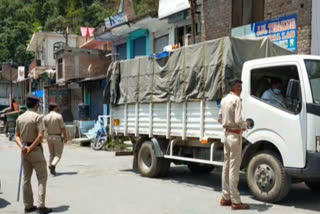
x=37, y=39
x=94, y=44
x=275, y=59
x=121, y=31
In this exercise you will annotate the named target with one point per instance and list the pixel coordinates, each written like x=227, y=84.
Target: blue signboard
x=281, y=31
x=116, y=20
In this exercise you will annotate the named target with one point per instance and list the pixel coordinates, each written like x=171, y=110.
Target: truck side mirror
x=293, y=89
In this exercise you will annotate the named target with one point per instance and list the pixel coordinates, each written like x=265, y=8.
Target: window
x=247, y=12
x=60, y=66
x=160, y=43
x=121, y=51
x=313, y=69
x=270, y=86
x=140, y=47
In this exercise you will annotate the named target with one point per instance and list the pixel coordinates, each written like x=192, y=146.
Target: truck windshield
x=313, y=69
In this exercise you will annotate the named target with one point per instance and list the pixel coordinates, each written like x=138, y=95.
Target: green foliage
x=143, y=7
x=19, y=19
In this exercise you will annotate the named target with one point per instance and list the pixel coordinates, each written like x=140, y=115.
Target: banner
x=21, y=73
x=281, y=31
x=116, y=20
x=85, y=31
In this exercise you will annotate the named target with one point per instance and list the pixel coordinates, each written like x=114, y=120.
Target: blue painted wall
x=135, y=35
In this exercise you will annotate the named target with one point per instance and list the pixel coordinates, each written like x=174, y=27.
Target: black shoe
x=44, y=210
x=31, y=209
x=52, y=170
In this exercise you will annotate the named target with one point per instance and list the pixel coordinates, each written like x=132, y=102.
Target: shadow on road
x=260, y=207
x=60, y=209
x=4, y=203
x=66, y=173
x=302, y=197
x=299, y=196
x=181, y=175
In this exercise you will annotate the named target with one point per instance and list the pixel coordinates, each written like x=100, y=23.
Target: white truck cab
x=289, y=128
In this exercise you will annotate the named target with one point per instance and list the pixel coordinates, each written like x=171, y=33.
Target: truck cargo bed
x=186, y=120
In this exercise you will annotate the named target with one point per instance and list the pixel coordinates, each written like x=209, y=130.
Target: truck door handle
x=251, y=123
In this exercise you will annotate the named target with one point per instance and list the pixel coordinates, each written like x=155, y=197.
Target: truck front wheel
x=267, y=178
x=148, y=164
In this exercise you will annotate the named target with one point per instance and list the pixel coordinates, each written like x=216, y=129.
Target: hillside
x=19, y=19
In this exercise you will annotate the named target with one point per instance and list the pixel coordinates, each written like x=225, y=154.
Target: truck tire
x=313, y=185
x=148, y=164
x=267, y=179
x=198, y=168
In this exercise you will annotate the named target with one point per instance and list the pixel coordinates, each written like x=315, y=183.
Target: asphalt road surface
x=91, y=182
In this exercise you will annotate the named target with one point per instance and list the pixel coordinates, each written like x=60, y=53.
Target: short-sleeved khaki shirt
x=230, y=115
x=53, y=123
x=29, y=124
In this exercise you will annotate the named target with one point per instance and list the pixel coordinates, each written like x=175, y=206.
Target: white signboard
x=116, y=20
x=21, y=71
x=170, y=7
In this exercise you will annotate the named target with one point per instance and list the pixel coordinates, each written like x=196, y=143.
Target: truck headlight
x=318, y=144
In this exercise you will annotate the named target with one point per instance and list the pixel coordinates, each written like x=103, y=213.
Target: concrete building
x=42, y=69
x=233, y=17
x=80, y=78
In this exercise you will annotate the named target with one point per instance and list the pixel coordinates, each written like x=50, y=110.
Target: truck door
x=277, y=119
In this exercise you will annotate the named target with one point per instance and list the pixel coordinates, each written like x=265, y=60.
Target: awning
x=94, y=78
x=170, y=7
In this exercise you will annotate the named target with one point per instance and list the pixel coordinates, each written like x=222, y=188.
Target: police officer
x=29, y=135
x=55, y=127
x=230, y=116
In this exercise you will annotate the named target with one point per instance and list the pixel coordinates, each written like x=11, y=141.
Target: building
x=153, y=32
x=42, y=69
x=287, y=22
x=9, y=85
x=80, y=79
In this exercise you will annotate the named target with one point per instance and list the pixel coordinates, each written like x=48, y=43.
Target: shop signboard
x=281, y=31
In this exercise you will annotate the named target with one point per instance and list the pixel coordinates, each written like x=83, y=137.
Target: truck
x=168, y=107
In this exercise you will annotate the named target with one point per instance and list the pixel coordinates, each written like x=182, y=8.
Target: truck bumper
x=312, y=169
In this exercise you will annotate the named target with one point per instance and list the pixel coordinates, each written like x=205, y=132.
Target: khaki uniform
x=54, y=123
x=230, y=116
x=29, y=125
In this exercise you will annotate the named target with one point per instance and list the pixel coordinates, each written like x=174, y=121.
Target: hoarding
x=21, y=73
x=170, y=7
x=116, y=20
x=281, y=31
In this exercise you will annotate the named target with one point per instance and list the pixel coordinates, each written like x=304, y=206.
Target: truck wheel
x=148, y=164
x=267, y=178
x=198, y=168
x=313, y=185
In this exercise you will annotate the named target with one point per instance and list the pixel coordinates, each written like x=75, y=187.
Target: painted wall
x=48, y=47
x=135, y=35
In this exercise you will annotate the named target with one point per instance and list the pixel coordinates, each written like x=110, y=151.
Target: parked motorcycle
x=100, y=140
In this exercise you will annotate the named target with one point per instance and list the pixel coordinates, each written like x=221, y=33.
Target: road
x=91, y=182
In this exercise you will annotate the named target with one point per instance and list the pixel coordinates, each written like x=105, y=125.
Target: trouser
x=55, y=145
x=34, y=161
x=231, y=167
